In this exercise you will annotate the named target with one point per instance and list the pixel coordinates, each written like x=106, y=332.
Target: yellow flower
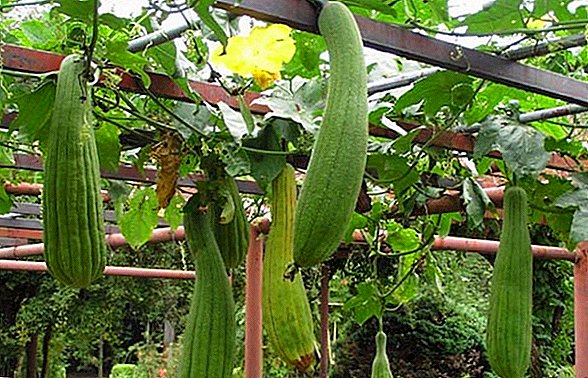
x=261, y=54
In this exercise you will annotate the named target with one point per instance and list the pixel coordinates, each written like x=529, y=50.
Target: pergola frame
x=388, y=38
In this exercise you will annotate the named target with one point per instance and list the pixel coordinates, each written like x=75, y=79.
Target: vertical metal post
x=581, y=309
x=324, y=310
x=253, y=315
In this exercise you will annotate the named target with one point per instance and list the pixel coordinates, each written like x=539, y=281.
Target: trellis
x=385, y=37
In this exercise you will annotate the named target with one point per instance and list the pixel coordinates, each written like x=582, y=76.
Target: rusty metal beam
x=398, y=40
x=128, y=173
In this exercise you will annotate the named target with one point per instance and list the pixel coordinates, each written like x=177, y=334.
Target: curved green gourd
x=335, y=171
x=287, y=318
x=75, y=249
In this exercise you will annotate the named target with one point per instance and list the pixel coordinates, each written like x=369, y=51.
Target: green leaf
x=5, y=200
x=165, y=56
x=485, y=102
x=38, y=33
x=302, y=105
x=446, y=221
x=401, y=239
x=365, y=304
x=34, y=115
x=444, y=88
x=556, y=132
x=117, y=53
x=77, y=9
x=496, y=16
x=233, y=121
x=579, y=229
x=306, y=60
x=246, y=114
x=395, y=169
x=173, y=212
x=202, y=8
x=577, y=198
x=112, y=21
x=265, y=166
x=357, y=222
x=138, y=223
x=199, y=116
x=476, y=202
x=108, y=145
x=523, y=149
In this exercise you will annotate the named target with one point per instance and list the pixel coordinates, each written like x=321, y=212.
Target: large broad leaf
x=302, y=104
x=394, y=169
x=441, y=89
x=496, y=16
x=522, y=147
x=265, y=166
x=306, y=60
x=76, y=9
x=365, y=304
x=108, y=146
x=139, y=221
x=401, y=239
x=35, y=109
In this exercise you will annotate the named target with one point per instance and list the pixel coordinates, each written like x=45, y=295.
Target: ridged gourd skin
x=335, y=171
x=75, y=249
x=287, y=318
x=381, y=364
x=210, y=335
x=233, y=237
x=509, y=332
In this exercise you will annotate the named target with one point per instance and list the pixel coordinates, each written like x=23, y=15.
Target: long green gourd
x=509, y=333
x=232, y=237
x=210, y=336
x=335, y=171
x=75, y=249
x=381, y=364
x=287, y=318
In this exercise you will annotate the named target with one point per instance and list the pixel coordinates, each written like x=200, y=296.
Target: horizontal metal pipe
x=559, y=111
x=113, y=241
x=157, y=37
x=490, y=247
x=446, y=243
x=124, y=271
